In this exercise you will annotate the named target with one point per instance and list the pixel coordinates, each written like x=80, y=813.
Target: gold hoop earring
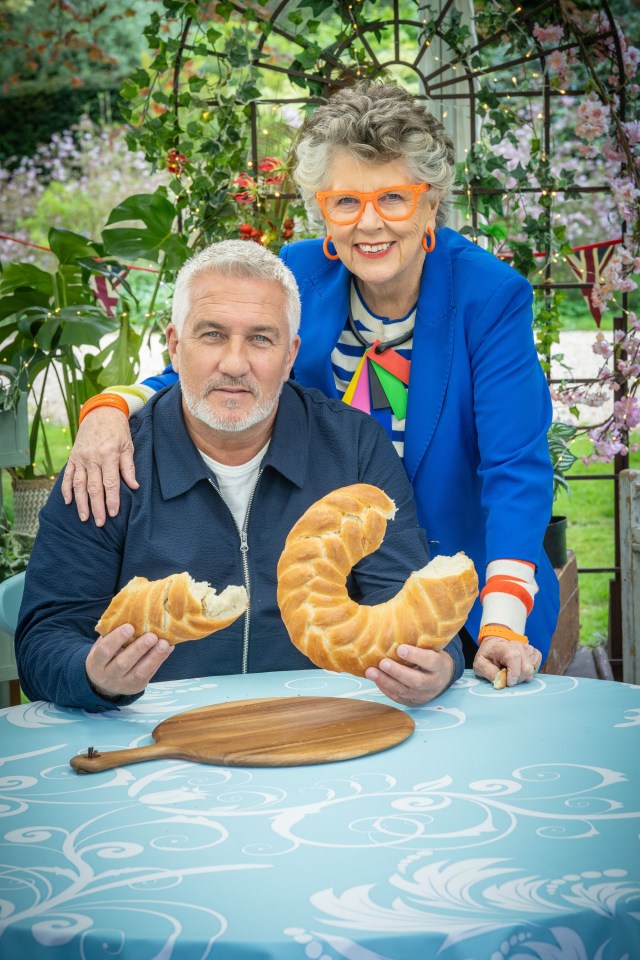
x=430, y=247
x=325, y=249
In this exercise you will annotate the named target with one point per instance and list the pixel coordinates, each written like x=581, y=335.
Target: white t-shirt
x=236, y=483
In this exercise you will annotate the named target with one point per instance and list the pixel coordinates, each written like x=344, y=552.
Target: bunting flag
x=588, y=263
x=379, y=382
x=104, y=289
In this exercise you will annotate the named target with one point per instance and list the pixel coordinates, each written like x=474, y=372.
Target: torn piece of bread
x=500, y=679
x=176, y=608
x=330, y=628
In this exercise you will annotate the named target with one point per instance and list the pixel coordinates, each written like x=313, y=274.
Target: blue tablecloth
x=505, y=828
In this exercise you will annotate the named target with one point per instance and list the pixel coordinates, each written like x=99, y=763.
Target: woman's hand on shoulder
x=102, y=452
x=522, y=661
x=426, y=674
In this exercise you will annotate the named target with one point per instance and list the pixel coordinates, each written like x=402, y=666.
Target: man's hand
x=521, y=660
x=101, y=453
x=116, y=667
x=413, y=685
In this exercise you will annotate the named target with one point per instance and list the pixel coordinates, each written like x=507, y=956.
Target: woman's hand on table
x=117, y=667
x=102, y=452
x=426, y=674
x=521, y=660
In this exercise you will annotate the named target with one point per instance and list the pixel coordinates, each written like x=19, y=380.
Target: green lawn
x=590, y=510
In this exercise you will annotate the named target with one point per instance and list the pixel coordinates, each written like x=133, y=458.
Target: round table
x=505, y=828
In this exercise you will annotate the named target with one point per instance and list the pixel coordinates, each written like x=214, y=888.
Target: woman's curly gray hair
x=376, y=122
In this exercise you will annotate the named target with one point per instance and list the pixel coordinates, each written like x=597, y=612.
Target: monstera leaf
x=69, y=247
x=23, y=285
x=152, y=235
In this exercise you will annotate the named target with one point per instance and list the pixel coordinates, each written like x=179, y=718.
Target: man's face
x=233, y=354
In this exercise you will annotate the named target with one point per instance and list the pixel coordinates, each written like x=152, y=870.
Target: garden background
x=136, y=133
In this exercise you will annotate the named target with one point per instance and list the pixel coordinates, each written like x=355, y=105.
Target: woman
x=376, y=168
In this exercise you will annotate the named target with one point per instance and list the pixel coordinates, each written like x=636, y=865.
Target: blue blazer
x=479, y=406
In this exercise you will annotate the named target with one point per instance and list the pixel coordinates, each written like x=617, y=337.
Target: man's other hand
x=117, y=667
x=425, y=675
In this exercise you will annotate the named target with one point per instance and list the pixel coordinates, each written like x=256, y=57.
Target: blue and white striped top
x=348, y=351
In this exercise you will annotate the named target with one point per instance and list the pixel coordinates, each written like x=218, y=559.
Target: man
x=228, y=459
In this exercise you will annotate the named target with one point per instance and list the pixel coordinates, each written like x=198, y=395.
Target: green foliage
x=52, y=327
x=15, y=549
x=51, y=42
x=190, y=111
x=547, y=322
x=559, y=438
x=57, y=66
x=154, y=238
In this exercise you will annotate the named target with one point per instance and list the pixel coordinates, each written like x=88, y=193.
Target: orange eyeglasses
x=391, y=203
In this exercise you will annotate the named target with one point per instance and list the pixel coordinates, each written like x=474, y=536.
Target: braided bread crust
x=330, y=628
x=176, y=608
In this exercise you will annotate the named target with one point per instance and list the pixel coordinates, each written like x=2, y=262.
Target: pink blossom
x=605, y=447
x=601, y=346
x=625, y=193
x=632, y=131
x=631, y=58
x=613, y=151
x=599, y=297
x=628, y=370
x=593, y=118
x=559, y=63
x=553, y=33
x=627, y=412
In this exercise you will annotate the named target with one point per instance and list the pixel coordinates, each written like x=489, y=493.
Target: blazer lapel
x=431, y=355
x=324, y=316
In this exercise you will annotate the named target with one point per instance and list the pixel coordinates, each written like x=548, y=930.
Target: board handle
x=93, y=761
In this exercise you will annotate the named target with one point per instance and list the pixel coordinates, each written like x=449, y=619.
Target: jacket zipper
x=244, y=550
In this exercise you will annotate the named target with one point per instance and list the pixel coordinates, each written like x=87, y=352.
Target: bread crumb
x=500, y=679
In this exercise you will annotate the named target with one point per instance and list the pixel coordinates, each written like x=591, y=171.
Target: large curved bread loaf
x=176, y=608
x=337, y=633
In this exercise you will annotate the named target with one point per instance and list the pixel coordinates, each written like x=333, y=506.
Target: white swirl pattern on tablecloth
x=144, y=835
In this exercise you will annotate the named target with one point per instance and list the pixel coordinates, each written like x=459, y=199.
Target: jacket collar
x=179, y=464
x=331, y=286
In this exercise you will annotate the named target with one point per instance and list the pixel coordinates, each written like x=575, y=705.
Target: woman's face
x=378, y=251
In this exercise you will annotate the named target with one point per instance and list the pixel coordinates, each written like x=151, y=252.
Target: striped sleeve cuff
x=507, y=597
x=135, y=396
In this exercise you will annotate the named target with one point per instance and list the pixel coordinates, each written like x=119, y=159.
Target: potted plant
x=562, y=458
x=55, y=330
x=47, y=320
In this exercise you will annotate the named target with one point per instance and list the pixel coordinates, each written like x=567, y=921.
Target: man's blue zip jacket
x=177, y=520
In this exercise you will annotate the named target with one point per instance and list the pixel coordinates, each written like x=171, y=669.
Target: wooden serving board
x=271, y=732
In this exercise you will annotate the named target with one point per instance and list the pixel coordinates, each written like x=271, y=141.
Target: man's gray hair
x=242, y=259
x=377, y=122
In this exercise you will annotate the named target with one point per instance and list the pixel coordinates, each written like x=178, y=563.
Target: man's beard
x=199, y=408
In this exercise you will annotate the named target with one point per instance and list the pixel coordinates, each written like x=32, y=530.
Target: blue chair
x=10, y=599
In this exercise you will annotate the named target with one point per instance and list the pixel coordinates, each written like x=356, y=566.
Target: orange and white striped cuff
x=507, y=596
x=134, y=395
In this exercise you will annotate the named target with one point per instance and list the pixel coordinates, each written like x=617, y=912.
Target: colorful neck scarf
x=381, y=378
